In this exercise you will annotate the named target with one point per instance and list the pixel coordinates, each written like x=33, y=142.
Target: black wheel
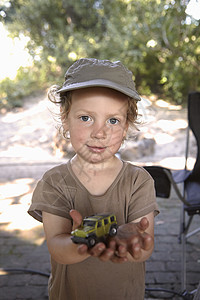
x=113, y=230
x=91, y=241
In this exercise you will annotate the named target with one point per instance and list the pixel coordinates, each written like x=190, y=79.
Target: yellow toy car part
x=95, y=229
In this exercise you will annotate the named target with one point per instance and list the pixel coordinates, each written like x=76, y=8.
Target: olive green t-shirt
x=129, y=197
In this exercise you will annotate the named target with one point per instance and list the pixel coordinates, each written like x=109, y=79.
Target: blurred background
x=159, y=41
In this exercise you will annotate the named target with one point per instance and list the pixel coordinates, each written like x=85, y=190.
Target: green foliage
x=153, y=38
x=12, y=92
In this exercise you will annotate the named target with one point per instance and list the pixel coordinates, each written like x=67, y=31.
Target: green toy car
x=95, y=229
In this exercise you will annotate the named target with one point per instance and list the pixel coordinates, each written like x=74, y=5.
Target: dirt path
x=26, y=134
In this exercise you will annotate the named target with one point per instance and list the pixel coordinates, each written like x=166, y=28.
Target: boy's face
x=97, y=123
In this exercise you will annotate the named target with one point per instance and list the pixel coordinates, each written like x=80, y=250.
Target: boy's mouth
x=96, y=149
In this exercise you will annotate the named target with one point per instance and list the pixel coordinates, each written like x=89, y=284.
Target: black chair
x=190, y=194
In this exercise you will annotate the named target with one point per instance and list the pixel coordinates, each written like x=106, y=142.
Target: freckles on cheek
x=116, y=141
x=117, y=135
x=79, y=134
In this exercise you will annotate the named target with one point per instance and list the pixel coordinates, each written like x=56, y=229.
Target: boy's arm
x=134, y=241
x=57, y=231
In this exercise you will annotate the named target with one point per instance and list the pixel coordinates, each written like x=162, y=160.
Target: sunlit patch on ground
x=15, y=199
x=28, y=153
x=169, y=125
x=177, y=163
x=16, y=188
x=164, y=104
x=12, y=117
x=163, y=138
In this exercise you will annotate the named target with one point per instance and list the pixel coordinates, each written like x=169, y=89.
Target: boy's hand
x=76, y=217
x=105, y=253
x=132, y=238
x=99, y=250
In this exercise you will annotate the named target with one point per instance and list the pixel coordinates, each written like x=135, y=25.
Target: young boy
x=98, y=103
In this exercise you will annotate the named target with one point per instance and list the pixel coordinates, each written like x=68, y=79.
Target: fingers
x=82, y=249
x=128, y=230
x=130, y=240
x=136, y=252
x=119, y=260
x=118, y=253
x=140, y=243
x=148, y=242
x=76, y=217
x=100, y=251
x=104, y=253
x=121, y=251
x=143, y=224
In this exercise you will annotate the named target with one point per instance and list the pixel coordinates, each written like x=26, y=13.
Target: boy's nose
x=99, y=132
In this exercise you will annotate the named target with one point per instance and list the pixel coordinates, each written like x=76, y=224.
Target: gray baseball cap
x=91, y=72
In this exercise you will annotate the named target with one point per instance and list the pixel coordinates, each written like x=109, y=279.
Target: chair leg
x=183, y=251
x=183, y=262
x=191, y=233
x=187, y=226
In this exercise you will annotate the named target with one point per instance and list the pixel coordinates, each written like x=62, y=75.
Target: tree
x=154, y=38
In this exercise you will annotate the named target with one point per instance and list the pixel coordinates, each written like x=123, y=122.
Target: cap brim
x=101, y=83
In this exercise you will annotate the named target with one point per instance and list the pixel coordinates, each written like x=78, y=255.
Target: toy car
x=95, y=229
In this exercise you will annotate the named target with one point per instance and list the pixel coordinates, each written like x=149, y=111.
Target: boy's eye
x=113, y=121
x=85, y=118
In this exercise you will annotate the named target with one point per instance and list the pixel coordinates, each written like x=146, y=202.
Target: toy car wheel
x=113, y=230
x=91, y=241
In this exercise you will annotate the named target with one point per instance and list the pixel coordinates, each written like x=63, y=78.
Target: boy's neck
x=96, y=178
x=95, y=168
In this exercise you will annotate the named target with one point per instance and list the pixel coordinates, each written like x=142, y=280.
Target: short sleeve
x=53, y=195
x=143, y=198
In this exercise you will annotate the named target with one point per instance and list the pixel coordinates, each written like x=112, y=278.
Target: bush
x=12, y=92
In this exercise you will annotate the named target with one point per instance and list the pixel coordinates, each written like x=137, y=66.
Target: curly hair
x=65, y=100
